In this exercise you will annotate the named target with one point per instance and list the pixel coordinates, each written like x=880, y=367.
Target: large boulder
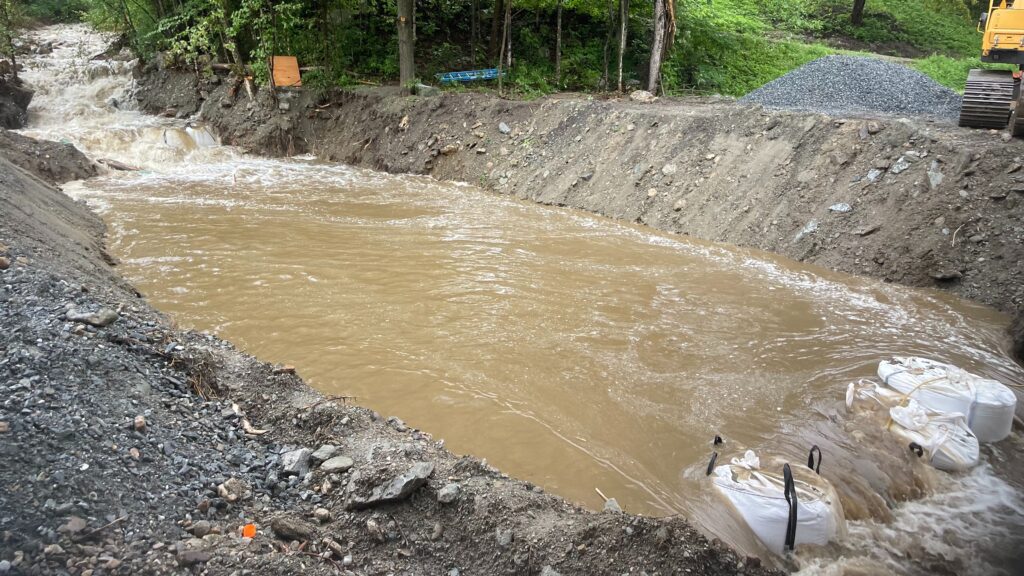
x=14, y=100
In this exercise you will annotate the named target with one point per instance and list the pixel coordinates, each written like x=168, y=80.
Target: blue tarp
x=468, y=76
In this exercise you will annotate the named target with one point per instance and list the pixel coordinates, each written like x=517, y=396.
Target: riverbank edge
x=131, y=446
x=907, y=201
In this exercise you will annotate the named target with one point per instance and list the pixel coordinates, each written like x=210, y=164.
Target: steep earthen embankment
x=907, y=201
x=132, y=447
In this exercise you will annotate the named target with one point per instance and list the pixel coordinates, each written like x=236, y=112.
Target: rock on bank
x=911, y=201
x=130, y=447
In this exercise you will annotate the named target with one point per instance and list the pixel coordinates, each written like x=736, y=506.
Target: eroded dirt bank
x=908, y=201
x=132, y=447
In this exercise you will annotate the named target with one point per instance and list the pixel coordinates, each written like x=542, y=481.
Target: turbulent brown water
x=569, y=350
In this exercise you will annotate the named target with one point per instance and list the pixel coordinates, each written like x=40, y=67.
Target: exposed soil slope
x=910, y=201
x=130, y=447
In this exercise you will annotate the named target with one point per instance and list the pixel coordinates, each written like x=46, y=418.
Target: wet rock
x=324, y=453
x=612, y=505
x=448, y=494
x=104, y=317
x=288, y=527
x=5, y=566
x=1017, y=336
x=642, y=96
x=296, y=462
x=503, y=128
x=396, y=423
x=945, y=274
x=337, y=465
x=662, y=535
x=234, y=489
x=399, y=488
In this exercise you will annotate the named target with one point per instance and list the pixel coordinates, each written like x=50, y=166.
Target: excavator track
x=988, y=99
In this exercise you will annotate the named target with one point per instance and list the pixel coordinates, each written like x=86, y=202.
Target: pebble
x=5, y=566
x=612, y=505
x=504, y=128
x=504, y=537
x=5, y=263
x=139, y=424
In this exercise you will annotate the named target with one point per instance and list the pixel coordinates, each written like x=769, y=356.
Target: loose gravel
x=852, y=85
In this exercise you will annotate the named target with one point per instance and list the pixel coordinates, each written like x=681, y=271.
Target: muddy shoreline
x=914, y=202
x=131, y=446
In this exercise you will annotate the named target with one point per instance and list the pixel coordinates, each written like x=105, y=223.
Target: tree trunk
x=474, y=30
x=608, y=42
x=493, y=47
x=406, y=43
x=508, y=33
x=623, y=33
x=558, y=47
x=857, y=16
x=657, y=47
x=506, y=46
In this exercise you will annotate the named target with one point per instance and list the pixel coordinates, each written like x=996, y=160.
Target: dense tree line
x=540, y=45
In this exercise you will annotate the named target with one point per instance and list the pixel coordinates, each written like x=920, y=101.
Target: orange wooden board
x=286, y=71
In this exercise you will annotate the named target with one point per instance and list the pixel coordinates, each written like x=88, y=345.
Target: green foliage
x=53, y=11
x=726, y=46
x=952, y=72
x=908, y=26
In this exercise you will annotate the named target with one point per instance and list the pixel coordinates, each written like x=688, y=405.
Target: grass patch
x=952, y=72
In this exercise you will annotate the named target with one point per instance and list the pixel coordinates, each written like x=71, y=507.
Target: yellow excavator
x=992, y=98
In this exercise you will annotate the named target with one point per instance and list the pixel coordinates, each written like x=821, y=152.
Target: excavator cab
x=992, y=97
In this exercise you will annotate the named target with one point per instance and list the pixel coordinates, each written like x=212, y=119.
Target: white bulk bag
x=988, y=405
x=759, y=498
x=944, y=439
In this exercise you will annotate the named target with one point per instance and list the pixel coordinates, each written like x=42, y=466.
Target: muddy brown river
x=576, y=352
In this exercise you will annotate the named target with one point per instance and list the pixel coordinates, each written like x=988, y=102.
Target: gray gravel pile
x=852, y=85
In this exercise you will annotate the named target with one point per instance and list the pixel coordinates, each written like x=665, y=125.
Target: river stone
x=612, y=505
x=104, y=317
x=296, y=462
x=324, y=453
x=399, y=488
x=337, y=464
x=291, y=528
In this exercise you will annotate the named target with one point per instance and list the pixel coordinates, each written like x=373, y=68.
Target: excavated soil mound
x=854, y=86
